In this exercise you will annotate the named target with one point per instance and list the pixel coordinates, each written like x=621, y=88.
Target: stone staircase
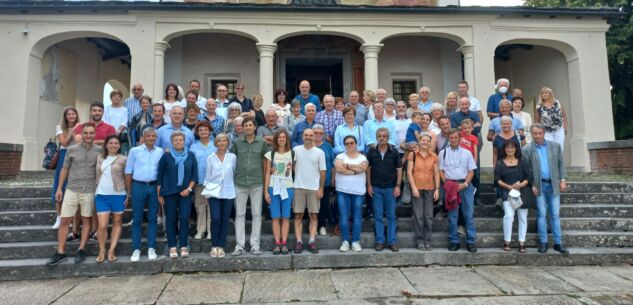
x=596, y=219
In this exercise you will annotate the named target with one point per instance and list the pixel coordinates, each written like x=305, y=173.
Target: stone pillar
x=266, y=62
x=468, y=51
x=159, y=68
x=371, y=52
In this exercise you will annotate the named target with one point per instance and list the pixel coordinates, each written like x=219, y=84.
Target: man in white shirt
x=194, y=85
x=221, y=93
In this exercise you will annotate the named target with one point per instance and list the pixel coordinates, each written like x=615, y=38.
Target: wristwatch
x=466, y=183
x=190, y=190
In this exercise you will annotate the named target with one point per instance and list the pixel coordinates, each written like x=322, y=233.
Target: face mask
x=503, y=90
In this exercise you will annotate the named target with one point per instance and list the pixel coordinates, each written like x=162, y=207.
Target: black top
x=512, y=174
x=168, y=174
x=247, y=104
x=260, y=118
x=383, y=169
x=498, y=142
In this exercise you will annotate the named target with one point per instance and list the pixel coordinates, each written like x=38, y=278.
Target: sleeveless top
x=551, y=118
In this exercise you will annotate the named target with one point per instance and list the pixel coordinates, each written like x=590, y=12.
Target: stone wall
x=611, y=156
x=10, y=159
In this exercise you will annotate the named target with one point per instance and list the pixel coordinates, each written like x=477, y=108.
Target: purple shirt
x=329, y=120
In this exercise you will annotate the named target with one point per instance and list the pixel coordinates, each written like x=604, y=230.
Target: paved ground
x=420, y=285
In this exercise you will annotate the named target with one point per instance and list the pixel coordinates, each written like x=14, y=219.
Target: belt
x=145, y=182
x=546, y=181
x=459, y=181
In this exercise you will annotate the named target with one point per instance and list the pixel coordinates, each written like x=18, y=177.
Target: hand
x=59, y=195
x=396, y=191
x=461, y=187
x=436, y=195
x=185, y=193
x=267, y=198
x=370, y=191
x=563, y=186
x=535, y=190
x=516, y=186
x=415, y=193
x=127, y=201
x=161, y=200
x=319, y=193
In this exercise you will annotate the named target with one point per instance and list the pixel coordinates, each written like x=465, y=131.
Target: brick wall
x=10, y=159
x=611, y=157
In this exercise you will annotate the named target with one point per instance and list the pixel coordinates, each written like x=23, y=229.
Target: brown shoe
x=379, y=247
x=394, y=248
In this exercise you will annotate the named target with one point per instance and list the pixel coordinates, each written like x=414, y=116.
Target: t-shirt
x=495, y=125
x=423, y=170
x=413, y=127
x=281, y=167
x=351, y=184
x=102, y=131
x=309, y=164
x=469, y=142
x=116, y=117
x=106, y=185
x=58, y=132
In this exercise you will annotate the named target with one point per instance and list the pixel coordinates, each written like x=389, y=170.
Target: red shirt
x=102, y=131
x=469, y=142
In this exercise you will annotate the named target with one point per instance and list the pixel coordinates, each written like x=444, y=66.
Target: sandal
x=184, y=252
x=522, y=248
x=173, y=253
x=100, y=258
x=506, y=246
x=276, y=250
x=112, y=257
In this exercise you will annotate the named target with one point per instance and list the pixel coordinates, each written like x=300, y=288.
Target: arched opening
x=110, y=86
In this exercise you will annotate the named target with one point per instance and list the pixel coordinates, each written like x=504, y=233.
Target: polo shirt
x=494, y=100
x=383, y=167
x=426, y=107
x=81, y=162
x=297, y=133
x=458, y=116
x=163, y=137
x=102, y=131
x=456, y=163
x=495, y=124
x=311, y=99
x=423, y=170
x=249, y=171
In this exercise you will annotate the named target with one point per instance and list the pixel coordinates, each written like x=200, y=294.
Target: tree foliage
x=620, y=52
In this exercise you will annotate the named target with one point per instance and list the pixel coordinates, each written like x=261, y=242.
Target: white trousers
x=508, y=220
x=557, y=136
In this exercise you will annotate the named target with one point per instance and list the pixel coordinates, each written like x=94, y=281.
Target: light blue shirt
x=370, y=128
x=202, y=153
x=426, y=107
x=456, y=163
x=142, y=163
x=163, y=139
x=542, y=157
x=495, y=124
x=343, y=131
x=361, y=113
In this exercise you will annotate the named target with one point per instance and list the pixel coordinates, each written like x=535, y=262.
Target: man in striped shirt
x=133, y=103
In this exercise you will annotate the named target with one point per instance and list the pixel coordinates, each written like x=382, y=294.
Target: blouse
x=512, y=174
x=222, y=172
x=551, y=118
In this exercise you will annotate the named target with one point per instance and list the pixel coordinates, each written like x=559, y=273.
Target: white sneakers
x=322, y=231
x=151, y=254
x=199, y=236
x=136, y=256
x=58, y=221
x=344, y=247
x=217, y=252
x=356, y=246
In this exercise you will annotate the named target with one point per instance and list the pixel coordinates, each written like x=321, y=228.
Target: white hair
x=507, y=81
x=436, y=106
x=505, y=118
x=309, y=105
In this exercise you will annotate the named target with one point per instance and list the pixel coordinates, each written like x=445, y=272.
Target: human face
x=178, y=143
x=195, y=86
x=445, y=125
x=258, y=102
x=116, y=99
x=71, y=116
x=425, y=94
x=510, y=150
x=149, y=139
x=390, y=108
x=177, y=115
x=538, y=135
x=425, y=121
x=436, y=113
x=350, y=145
x=191, y=99
x=222, y=143
x=425, y=143
x=504, y=109
x=464, y=104
x=506, y=125
x=310, y=113
x=211, y=106
x=349, y=117
x=339, y=106
x=418, y=120
x=462, y=89
x=137, y=90
x=453, y=139
x=192, y=114
x=379, y=110
x=96, y=113
x=401, y=108
x=172, y=92
x=366, y=99
x=545, y=95
x=304, y=87
x=234, y=112
x=413, y=100
x=88, y=134
x=239, y=90
x=238, y=127
x=308, y=136
x=281, y=98
x=516, y=106
x=204, y=132
x=145, y=105
x=382, y=138
x=296, y=109
x=157, y=113
x=282, y=140
x=113, y=146
x=271, y=118
x=318, y=135
x=503, y=84
x=451, y=100
x=517, y=92
x=221, y=92
x=353, y=98
x=468, y=129
x=381, y=95
x=249, y=128
x=328, y=103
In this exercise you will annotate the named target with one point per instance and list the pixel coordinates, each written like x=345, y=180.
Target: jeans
x=423, y=216
x=143, y=193
x=243, y=194
x=326, y=213
x=220, y=213
x=58, y=170
x=350, y=204
x=508, y=219
x=466, y=209
x=384, y=202
x=177, y=211
x=547, y=201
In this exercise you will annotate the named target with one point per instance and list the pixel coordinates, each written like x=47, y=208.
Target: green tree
x=620, y=53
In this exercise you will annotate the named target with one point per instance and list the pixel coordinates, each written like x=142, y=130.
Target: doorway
x=324, y=74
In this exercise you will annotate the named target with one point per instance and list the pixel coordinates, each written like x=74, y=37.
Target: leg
x=76, y=223
x=102, y=233
x=378, y=203
x=152, y=214
x=390, y=211
x=255, y=193
x=541, y=214
x=227, y=207
x=285, y=215
x=275, y=213
x=184, y=210
x=117, y=221
x=357, y=210
x=523, y=214
x=299, y=205
x=139, y=196
x=215, y=205
x=324, y=205
x=427, y=201
x=240, y=216
x=508, y=219
x=298, y=221
x=554, y=217
x=201, y=212
x=453, y=238
x=417, y=216
x=467, y=210
x=313, y=210
x=62, y=234
x=344, y=203
x=85, y=231
x=171, y=208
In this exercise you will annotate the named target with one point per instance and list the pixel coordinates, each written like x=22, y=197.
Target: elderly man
x=177, y=116
x=221, y=94
x=465, y=113
x=216, y=121
x=503, y=87
x=305, y=97
x=133, y=103
x=308, y=122
x=384, y=178
x=457, y=166
x=381, y=96
x=267, y=131
x=505, y=109
x=329, y=117
x=372, y=125
x=548, y=167
x=425, y=99
x=361, y=110
x=401, y=124
x=475, y=104
x=194, y=86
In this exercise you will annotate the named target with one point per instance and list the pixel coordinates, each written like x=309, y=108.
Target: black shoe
x=453, y=247
x=56, y=259
x=471, y=248
x=80, y=256
x=379, y=247
x=542, y=248
x=560, y=249
x=72, y=237
x=394, y=248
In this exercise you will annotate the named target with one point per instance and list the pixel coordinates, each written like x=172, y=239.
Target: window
x=402, y=88
x=229, y=83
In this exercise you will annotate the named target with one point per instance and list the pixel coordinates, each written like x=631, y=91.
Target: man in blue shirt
x=425, y=99
x=141, y=173
x=372, y=125
x=308, y=122
x=361, y=110
x=306, y=97
x=465, y=113
x=505, y=108
x=177, y=116
x=503, y=85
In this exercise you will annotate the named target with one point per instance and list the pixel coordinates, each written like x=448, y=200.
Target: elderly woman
x=350, y=186
x=424, y=177
x=177, y=175
x=348, y=128
x=141, y=119
x=506, y=134
x=550, y=113
x=234, y=111
x=413, y=104
x=220, y=170
x=202, y=149
x=258, y=101
x=450, y=103
x=517, y=112
x=436, y=111
x=294, y=117
x=390, y=109
x=281, y=104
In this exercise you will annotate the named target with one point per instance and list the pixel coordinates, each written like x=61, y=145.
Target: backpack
x=51, y=155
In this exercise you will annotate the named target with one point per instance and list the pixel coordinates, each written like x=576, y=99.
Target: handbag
x=514, y=197
x=405, y=197
x=212, y=189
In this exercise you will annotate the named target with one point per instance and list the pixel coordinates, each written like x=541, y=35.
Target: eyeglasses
x=350, y=143
x=239, y=88
x=136, y=89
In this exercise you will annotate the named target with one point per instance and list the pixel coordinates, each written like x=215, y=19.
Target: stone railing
x=10, y=159
x=611, y=156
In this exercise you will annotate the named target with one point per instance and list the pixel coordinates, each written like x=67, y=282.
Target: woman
x=390, y=109
x=281, y=106
x=110, y=196
x=117, y=115
x=258, y=101
x=294, y=117
x=424, y=177
x=278, y=188
x=550, y=112
x=425, y=123
x=141, y=119
x=450, y=104
x=517, y=112
x=192, y=112
x=506, y=134
x=349, y=128
x=202, y=149
x=171, y=100
x=219, y=170
x=177, y=174
x=369, y=98
x=437, y=111
x=339, y=103
x=350, y=186
x=65, y=137
x=413, y=104
x=513, y=173
x=234, y=111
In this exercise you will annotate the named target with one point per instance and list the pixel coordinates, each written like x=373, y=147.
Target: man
x=194, y=86
x=103, y=129
x=308, y=122
x=177, y=116
x=442, y=137
x=475, y=104
x=308, y=189
x=133, y=103
x=79, y=168
x=216, y=121
x=425, y=99
x=267, y=131
x=384, y=178
x=401, y=124
x=381, y=96
x=158, y=121
x=247, y=104
x=517, y=92
x=361, y=110
x=249, y=182
x=329, y=117
x=505, y=109
x=141, y=172
x=221, y=93
x=465, y=113
x=503, y=85
x=305, y=97
x=546, y=162
x=457, y=165
x=372, y=125
x=326, y=212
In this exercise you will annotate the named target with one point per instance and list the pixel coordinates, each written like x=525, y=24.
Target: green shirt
x=250, y=156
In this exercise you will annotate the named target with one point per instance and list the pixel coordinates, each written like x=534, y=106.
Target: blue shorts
x=280, y=208
x=110, y=203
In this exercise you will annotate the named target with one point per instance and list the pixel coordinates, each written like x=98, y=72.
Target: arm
x=319, y=192
x=562, y=170
x=267, y=180
x=414, y=189
x=370, y=190
x=339, y=147
x=62, y=178
x=341, y=168
x=494, y=155
x=436, y=179
x=396, y=190
x=491, y=135
x=194, y=176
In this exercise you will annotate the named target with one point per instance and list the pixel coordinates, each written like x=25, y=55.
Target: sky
x=491, y=2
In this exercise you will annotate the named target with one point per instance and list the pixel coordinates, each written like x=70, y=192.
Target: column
x=469, y=62
x=371, y=52
x=266, y=61
x=159, y=68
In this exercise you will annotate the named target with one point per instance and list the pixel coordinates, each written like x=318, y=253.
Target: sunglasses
x=350, y=143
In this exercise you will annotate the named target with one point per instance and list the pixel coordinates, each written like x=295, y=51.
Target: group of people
x=217, y=154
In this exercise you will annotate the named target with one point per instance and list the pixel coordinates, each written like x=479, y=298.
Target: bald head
x=464, y=104
x=137, y=90
x=304, y=87
x=381, y=94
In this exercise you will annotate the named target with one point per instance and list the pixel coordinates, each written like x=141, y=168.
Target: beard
x=96, y=117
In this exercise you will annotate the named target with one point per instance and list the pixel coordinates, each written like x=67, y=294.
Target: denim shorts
x=280, y=208
x=110, y=203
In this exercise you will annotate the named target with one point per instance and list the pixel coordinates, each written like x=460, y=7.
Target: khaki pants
x=255, y=194
x=202, y=209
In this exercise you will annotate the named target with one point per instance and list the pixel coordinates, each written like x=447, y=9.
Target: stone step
x=11, y=234
x=25, y=204
x=575, y=198
x=25, y=250
x=25, y=269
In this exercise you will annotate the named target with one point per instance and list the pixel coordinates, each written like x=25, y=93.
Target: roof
x=26, y=6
